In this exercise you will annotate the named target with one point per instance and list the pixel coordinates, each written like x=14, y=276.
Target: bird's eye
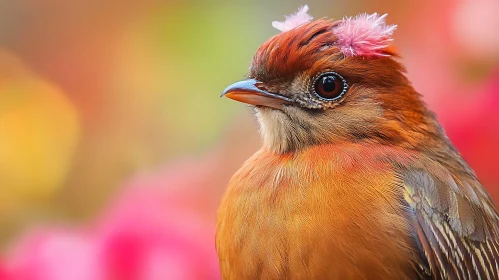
x=330, y=86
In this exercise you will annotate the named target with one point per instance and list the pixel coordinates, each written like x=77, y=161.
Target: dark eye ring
x=329, y=86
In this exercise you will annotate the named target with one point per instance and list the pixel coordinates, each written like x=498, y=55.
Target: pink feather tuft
x=364, y=35
x=293, y=20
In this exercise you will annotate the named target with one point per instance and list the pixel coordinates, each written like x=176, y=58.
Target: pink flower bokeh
x=145, y=234
x=473, y=126
x=54, y=254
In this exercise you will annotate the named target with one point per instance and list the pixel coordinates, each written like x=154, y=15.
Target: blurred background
x=115, y=147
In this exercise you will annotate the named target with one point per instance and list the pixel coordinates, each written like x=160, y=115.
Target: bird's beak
x=247, y=91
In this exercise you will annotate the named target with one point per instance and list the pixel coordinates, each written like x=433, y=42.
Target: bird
x=356, y=178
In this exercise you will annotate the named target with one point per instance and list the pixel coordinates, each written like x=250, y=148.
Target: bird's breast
x=328, y=212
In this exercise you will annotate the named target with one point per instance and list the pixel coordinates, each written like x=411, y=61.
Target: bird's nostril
x=261, y=86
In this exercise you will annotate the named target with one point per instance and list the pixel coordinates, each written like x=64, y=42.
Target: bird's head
x=324, y=81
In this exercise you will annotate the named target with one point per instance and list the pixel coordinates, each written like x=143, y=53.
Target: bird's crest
x=363, y=35
x=294, y=20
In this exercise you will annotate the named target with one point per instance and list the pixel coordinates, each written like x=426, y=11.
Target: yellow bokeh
x=38, y=134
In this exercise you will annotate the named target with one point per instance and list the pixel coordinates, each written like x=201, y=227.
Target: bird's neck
x=412, y=129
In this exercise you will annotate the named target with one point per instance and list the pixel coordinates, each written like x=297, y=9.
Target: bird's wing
x=455, y=223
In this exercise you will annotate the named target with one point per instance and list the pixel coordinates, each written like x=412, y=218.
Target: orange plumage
x=356, y=179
